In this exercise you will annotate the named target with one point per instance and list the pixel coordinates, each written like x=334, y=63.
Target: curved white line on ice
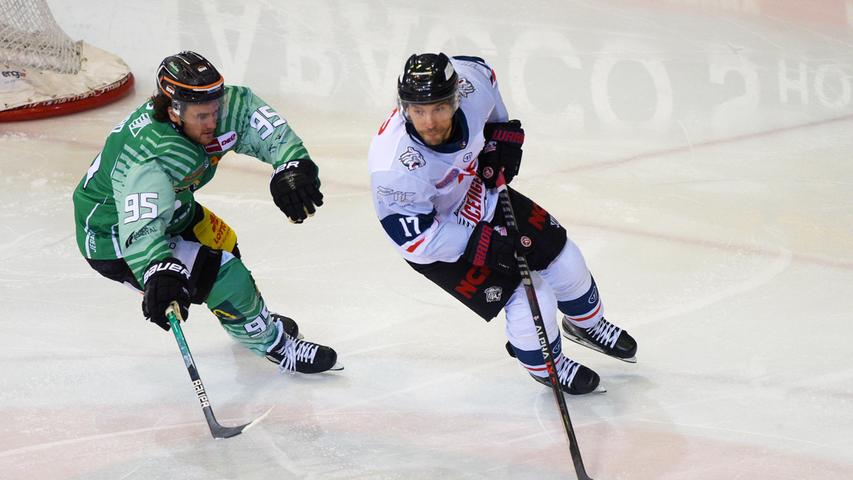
x=779, y=265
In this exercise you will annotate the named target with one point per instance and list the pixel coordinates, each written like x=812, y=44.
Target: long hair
x=161, y=107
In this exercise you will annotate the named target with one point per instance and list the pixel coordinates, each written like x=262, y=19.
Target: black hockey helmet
x=188, y=77
x=427, y=78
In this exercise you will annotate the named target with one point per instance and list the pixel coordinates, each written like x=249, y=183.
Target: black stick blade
x=218, y=431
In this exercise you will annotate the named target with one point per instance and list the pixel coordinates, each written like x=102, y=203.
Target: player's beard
x=436, y=136
x=207, y=137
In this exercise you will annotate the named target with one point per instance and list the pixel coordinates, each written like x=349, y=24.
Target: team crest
x=465, y=87
x=412, y=159
x=138, y=124
x=493, y=294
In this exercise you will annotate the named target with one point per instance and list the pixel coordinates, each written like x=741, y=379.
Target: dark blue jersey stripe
x=405, y=228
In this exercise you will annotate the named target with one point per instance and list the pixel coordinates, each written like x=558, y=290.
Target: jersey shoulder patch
x=479, y=65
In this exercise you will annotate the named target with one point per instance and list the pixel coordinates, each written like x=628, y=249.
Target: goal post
x=44, y=73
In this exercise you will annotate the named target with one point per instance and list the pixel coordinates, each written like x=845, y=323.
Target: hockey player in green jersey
x=138, y=223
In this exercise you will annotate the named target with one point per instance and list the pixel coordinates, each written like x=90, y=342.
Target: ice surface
x=697, y=151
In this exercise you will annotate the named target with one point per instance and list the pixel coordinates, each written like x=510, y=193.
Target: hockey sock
x=533, y=360
x=584, y=311
x=238, y=305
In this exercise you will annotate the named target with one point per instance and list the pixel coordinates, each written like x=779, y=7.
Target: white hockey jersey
x=429, y=199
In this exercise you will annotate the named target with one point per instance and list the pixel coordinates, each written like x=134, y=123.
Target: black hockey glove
x=166, y=281
x=502, y=150
x=295, y=188
x=495, y=248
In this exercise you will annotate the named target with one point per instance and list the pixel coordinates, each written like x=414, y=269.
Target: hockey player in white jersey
x=433, y=167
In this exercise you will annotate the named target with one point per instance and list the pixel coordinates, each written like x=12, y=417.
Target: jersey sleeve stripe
x=186, y=161
x=123, y=160
x=407, y=228
x=175, y=167
x=414, y=246
x=179, y=147
x=235, y=104
x=128, y=153
x=295, y=152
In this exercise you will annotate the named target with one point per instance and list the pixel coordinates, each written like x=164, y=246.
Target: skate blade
x=592, y=346
x=337, y=367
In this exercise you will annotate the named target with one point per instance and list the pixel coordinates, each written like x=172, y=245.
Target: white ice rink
x=698, y=151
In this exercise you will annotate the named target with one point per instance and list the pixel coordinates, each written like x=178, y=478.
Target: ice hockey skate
x=289, y=325
x=603, y=337
x=293, y=354
x=575, y=379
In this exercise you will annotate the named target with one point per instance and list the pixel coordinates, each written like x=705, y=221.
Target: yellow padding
x=214, y=232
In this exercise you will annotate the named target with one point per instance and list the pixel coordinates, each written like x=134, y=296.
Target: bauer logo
x=202, y=395
x=412, y=159
x=165, y=266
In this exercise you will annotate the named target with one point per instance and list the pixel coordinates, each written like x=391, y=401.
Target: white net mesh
x=30, y=37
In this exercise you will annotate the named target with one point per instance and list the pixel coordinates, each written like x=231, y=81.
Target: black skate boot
x=293, y=354
x=603, y=337
x=575, y=379
x=289, y=324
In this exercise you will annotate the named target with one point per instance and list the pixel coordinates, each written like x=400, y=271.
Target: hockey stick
x=527, y=281
x=173, y=313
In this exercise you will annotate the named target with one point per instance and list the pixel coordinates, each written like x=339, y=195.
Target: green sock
x=237, y=303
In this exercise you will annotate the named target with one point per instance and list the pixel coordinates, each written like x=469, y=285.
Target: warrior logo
x=412, y=159
x=493, y=294
x=465, y=87
x=593, y=296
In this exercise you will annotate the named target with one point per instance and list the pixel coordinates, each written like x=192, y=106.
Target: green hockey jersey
x=139, y=189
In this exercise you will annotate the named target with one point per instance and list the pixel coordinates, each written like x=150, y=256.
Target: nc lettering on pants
x=475, y=277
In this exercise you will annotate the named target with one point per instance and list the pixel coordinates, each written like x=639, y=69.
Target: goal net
x=45, y=73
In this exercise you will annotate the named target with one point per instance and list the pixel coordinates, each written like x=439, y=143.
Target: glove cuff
x=168, y=266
